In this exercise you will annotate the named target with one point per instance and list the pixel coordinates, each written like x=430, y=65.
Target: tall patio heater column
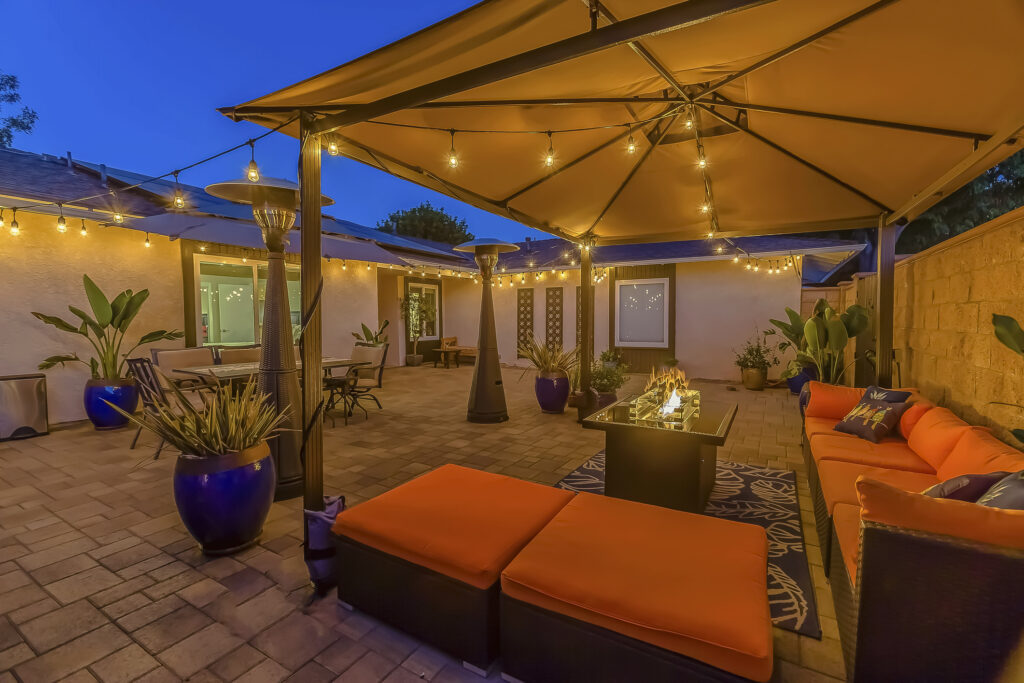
x=487, y=396
x=273, y=207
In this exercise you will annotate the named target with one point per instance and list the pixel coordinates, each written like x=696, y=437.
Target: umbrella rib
x=795, y=157
x=776, y=56
x=913, y=127
x=629, y=176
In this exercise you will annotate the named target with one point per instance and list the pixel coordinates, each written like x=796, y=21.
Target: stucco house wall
x=42, y=271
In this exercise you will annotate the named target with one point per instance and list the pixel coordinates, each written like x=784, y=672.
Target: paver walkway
x=98, y=579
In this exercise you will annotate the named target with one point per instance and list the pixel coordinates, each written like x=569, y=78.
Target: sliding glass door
x=231, y=293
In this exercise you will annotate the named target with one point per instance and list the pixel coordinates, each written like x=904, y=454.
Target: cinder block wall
x=945, y=298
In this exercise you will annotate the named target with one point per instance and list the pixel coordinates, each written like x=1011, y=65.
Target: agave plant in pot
x=224, y=477
x=105, y=329
x=553, y=366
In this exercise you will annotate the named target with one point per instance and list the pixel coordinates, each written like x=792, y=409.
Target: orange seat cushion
x=691, y=584
x=890, y=452
x=889, y=505
x=846, y=520
x=839, y=481
x=978, y=452
x=460, y=522
x=822, y=425
x=935, y=435
x=831, y=401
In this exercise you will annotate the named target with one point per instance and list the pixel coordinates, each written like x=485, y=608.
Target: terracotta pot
x=754, y=378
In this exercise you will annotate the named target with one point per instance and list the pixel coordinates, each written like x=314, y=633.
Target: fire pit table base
x=656, y=468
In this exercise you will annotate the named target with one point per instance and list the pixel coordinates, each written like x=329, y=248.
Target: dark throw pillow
x=872, y=419
x=889, y=395
x=967, y=487
x=1007, y=493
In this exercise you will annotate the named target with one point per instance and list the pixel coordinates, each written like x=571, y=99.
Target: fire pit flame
x=672, y=404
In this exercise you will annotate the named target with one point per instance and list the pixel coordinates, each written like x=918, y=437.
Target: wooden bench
x=450, y=350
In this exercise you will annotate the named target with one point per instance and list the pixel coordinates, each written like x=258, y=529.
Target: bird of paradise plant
x=105, y=330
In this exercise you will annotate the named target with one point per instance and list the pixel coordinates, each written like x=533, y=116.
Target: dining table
x=233, y=371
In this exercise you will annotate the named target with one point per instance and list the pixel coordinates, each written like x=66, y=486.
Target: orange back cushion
x=829, y=400
x=978, y=452
x=912, y=415
x=889, y=505
x=935, y=435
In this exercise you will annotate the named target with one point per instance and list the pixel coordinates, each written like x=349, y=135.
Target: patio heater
x=274, y=203
x=487, y=397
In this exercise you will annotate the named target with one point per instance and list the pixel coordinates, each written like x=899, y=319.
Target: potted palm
x=553, y=366
x=826, y=335
x=224, y=477
x=798, y=374
x=105, y=329
x=417, y=313
x=754, y=360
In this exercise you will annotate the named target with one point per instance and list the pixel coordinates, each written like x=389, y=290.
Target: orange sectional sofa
x=924, y=587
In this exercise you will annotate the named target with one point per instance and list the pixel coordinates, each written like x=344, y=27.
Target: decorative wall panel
x=553, y=317
x=524, y=317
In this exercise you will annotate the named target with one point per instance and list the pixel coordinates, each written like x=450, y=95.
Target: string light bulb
x=720, y=249
x=702, y=163
x=549, y=158
x=202, y=248
x=15, y=230
x=453, y=156
x=1, y=219
x=705, y=207
x=749, y=266
x=179, y=197
x=631, y=143
x=736, y=258
x=332, y=145
x=148, y=243
x=253, y=172
x=62, y=223
x=344, y=266
x=368, y=266
x=83, y=232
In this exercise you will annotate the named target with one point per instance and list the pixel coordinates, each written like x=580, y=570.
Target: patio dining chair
x=169, y=360
x=234, y=354
x=153, y=393
x=369, y=377
x=340, y=390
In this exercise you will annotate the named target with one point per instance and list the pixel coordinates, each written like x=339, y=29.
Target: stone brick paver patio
x=99, y=581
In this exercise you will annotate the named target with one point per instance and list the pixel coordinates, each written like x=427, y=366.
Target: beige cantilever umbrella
x=808, y=115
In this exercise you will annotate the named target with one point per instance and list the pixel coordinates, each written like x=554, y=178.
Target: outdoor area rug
x=755, y=495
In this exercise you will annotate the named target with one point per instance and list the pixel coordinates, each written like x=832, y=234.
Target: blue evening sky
x=135, y=84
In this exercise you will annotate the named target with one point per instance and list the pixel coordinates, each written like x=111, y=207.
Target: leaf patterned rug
x=754, y=495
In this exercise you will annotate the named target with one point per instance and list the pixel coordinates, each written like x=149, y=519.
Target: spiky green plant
x=229, y=421
x=105, y=330
x=548, y=359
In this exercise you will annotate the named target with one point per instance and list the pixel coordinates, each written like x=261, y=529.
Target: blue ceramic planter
x=224, y=501
x=122, y=393
x=797, y=382
x=552, y=391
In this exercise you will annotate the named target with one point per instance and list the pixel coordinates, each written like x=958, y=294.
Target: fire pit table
x=663, y=450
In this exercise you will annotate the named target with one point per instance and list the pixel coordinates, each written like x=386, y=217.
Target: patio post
x=310, y=343
x=587, y=402
x=884, y=304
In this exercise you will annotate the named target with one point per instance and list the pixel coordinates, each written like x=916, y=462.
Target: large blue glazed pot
x=797, y=381
x=224, y=500
x=123, y=393
x=552, y=389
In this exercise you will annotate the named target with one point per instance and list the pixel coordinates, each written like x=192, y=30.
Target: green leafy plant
x=611, y=356
x=417, y=313
x=826, y=335
x=370, y=337
x=793, y=331
x=607, y=379
x=757, y=353
x=1010, y=334
x=547, y=359
x=229, y=421
x=105, y=329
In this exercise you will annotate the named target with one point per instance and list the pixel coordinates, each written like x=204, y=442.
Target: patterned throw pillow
x=967, y=487
x=872, y=419
x=1007, y=493
x=888, y=395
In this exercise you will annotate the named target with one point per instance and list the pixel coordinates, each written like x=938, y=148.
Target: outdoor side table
x=671, y=465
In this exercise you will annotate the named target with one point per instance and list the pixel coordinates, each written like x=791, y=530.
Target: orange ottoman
x=426, y=556
x=613, y=590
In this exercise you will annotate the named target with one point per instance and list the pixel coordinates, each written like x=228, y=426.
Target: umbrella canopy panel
x=813, y=116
